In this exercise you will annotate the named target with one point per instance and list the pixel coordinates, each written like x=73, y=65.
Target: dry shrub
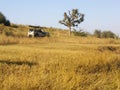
x=5, y=40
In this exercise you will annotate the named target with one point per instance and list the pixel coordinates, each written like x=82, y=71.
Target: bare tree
x=72, y=19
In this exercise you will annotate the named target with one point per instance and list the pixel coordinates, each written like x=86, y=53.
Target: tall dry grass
x=58, y=62
x=59, y=66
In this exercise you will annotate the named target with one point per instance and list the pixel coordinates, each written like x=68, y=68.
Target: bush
x=108, y=34
x=104, y=34
x=7, y=23
x=80, y=33
x=97, y=33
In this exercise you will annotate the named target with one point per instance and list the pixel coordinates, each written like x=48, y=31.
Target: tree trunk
x=69, y=31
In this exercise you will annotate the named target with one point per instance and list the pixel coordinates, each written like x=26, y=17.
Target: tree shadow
x=18, y=63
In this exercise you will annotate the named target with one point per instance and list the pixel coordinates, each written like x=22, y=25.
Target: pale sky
x=99, y=14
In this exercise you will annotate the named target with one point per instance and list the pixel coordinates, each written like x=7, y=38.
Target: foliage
x=3, y=20
x=80, y=33
x=105, y=34
x=72, y=19
x=108, y=34
x=7, y=23
x=97, y=33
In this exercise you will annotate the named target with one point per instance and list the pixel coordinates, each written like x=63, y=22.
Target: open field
x=58, y=62
x=59, y=45
x=61, y=63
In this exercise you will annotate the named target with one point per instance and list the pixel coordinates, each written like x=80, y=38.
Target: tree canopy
x=72, y=19
x=3, y=20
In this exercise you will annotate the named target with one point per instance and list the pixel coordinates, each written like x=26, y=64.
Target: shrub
x=105, y=34
x=108, y=34
x=97, y=33
x=80, y=33
x=7, y=23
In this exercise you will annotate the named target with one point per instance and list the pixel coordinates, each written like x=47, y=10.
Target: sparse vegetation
x=80, y=33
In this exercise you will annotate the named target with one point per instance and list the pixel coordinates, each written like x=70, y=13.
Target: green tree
x=97, y=33
x=7, y=23
x=72, y=19
x=3, y=20
x=108, y=34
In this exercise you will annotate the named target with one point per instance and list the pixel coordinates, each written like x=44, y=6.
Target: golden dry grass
x=58, y=62
x=61, y=63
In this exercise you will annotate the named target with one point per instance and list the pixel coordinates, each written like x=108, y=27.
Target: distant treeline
x=97, y=33
x=105, y=34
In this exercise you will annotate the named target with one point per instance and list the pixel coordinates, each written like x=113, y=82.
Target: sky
x=99, y=14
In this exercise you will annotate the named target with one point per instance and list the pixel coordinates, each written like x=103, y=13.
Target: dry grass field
x=59, y=63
